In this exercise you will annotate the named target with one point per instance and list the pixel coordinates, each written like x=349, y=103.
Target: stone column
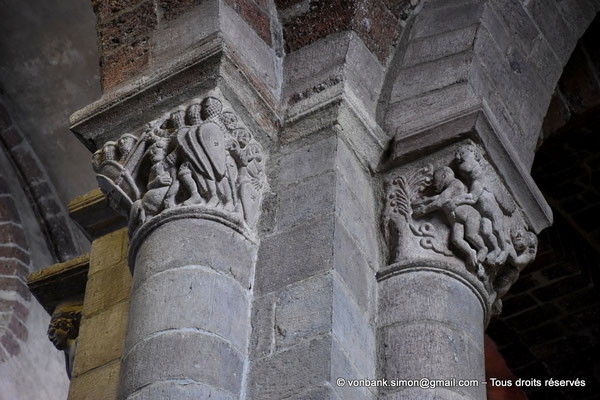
x=191, y=184
x=457, y=240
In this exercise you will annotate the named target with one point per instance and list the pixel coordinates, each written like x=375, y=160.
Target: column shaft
x=431, y=326
x=188, y=328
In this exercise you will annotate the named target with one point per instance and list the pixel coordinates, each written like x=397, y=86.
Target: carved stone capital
x=198, y=156
x=452, y=211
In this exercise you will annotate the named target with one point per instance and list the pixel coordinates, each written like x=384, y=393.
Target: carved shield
x=212, y=139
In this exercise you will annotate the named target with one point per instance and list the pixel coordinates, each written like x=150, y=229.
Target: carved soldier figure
x=159, y=181
x=489, y=199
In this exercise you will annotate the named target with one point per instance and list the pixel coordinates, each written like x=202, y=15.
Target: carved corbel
x=198, y=155
x=64, y=330
x=458, y=210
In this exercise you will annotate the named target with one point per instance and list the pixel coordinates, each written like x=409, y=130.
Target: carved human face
x=441, y=178
x=157, y=153
x=519, y=240
x=466, y=159
x=58, y=333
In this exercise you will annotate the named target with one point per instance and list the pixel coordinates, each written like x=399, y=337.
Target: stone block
x=434, y=351
x=423, y=78
x=519, y=23
x=308, y=72
x=324, y=392
x=106, y=288
x=363, y=72
x=197, y=298
x=97, y=384
x=255, y=17
x=13, y=234
x=181, y=355
x=288, y=257
x=292, y=371
x=203, y=242
x=353, y=330
x=350, y=264
x=180, y=390
x=431, y=48
x=341, y=367
x=552, y=25
x=108, y=251
x=306, y=200
x=430, y=296
x=418, y=393
x=303, y=310
x=306, y=159
x=262, y=339
x=355, y=174
x=409, y=115
x=360, y=223
x=434, y=21
x=100, y=338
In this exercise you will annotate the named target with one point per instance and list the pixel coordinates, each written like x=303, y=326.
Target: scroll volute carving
x=198, y=155
x=461, y=210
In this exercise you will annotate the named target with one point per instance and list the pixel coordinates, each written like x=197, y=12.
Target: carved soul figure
x=197, y=155
x=64, y=330
x=484, y=229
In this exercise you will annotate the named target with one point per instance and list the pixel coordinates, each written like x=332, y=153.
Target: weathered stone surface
x=310, y=362
x=97, y=384
x=223, y=249
x=430, y=296
x=262, y=341
x=353, y=330
x=342, y=367
x=168, y=356
x=180, y=390
x=106, y=288
x=304, y=310
x=349, y=262
x=290, y=256
x=434, y=351
x=198, y=298
x=101, y=338
x=110, y=249
x=309, y=199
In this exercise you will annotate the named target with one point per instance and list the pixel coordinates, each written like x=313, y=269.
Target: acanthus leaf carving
x=198, y=155
x=460, y=209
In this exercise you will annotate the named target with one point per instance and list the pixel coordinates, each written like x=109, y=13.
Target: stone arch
x=501, y=57
x=548, y=317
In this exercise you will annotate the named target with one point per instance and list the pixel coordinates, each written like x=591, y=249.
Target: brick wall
x=14, y=268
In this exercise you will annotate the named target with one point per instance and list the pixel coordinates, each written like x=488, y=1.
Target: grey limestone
x=181, y=390
x=223, y=249
x=433, y=21
x=292, y=371
x=219, y=304
x=291, y=256
x=303, y=310
x=431, y=48
x=430, y=296
x=180, y=355
x=262, y=339
x=432, y=350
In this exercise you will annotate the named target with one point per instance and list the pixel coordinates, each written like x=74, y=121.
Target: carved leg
x=226, y=194
x=188, y=182
x=213, y=198
x=472, y=235
x=488, y=234
x=171, y=193
x=458, y=233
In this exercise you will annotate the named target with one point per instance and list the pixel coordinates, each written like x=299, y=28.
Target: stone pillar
x=191, y=185
x=457, y=240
